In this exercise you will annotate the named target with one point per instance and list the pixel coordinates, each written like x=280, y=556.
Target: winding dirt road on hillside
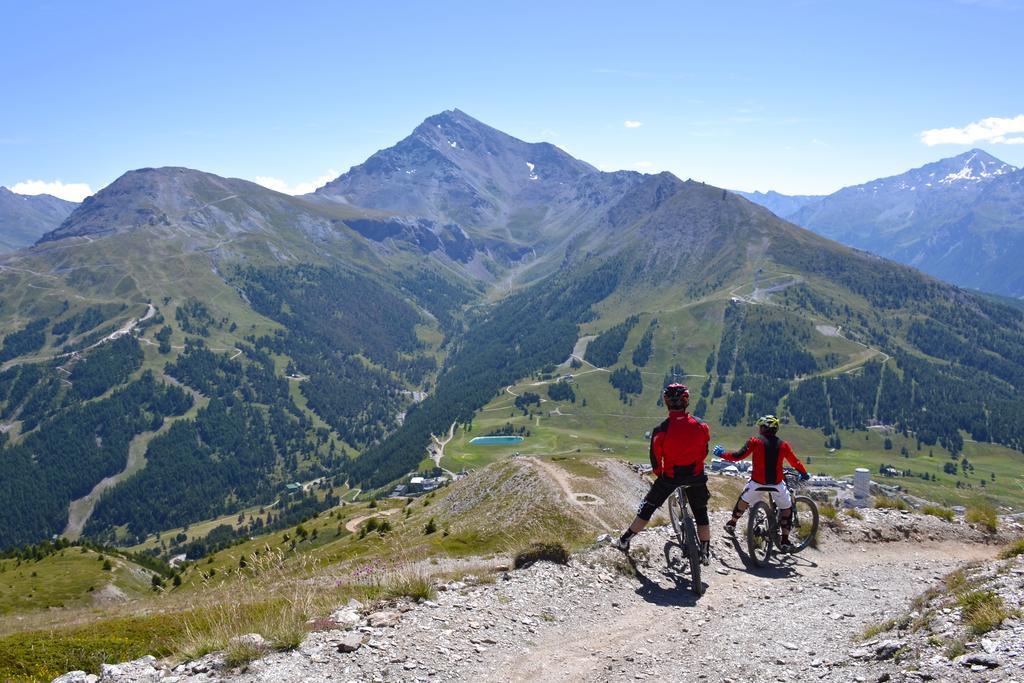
x=578, y=499
x=353, y=524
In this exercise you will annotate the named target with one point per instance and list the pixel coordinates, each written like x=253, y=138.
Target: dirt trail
x=666, y=634
x=577, y=498
x=353, y=524
x=601, y=618
x=436, y=447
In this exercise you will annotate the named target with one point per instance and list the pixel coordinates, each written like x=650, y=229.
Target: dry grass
x=854, y=513
x=541, y=551
x=874, y=629
x=982, y=610
x=984, y=516
x=885, y=503
x=955, y=648
x=1013, y=550
x=828, y=510
x=279, y=599
x=242, y=651
x=266, y=597
x=938, y=511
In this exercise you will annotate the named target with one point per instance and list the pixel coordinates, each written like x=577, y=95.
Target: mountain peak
x=972, y=166
x=453, y=160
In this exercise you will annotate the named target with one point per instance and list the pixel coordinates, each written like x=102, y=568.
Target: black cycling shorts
x=696, y=493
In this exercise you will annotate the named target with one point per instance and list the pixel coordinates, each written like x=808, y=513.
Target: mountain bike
x=764, y=530
x=686, y=534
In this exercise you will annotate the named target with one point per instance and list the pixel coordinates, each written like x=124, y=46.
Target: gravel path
x=601, y=618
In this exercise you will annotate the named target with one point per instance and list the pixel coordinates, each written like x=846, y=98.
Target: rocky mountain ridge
x=606, y=617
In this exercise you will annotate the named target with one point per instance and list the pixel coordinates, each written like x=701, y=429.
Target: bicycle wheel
x=675, y=513
x=693, y=553
x=759, y=534
x=805, y=523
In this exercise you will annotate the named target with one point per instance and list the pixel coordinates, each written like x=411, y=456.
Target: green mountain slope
x=236, y=340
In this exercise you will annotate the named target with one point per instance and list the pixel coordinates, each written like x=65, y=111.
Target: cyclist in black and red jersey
x=769, y=454
x=679, y=446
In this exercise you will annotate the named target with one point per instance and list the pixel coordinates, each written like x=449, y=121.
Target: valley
x=202, y=377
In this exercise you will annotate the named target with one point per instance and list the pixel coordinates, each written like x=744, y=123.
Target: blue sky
x=795, y=96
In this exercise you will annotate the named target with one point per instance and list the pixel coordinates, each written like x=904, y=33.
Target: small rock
x=250, y=640
x=859, y=653
x=790, y=646
x=978, y=659
x=350, y=642
x=345, y=617
x=76, y=677
x=109, y=671
x=887, y=649
x=379, y=619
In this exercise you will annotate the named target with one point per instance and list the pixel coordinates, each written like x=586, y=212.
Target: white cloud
x=299, y=188
x=632, y=124
x=643, y=165
x=72, y=192
x=993, y=129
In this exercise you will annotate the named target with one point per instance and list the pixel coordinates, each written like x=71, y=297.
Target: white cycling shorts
x=778, y=491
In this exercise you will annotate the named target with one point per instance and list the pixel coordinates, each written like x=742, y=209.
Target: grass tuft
x=854, y=513
x=938, y=511
x=266, y=597
x=1013, y=550
x=874, y=629
x=984, y=516
x=955, y=648
x=381, y=580
x=541, y=551
x=241, y=651
x=886, y=503
x=982, y=610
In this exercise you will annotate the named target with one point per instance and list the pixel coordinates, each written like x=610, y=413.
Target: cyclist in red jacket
x=679, y=446
x=769, y=454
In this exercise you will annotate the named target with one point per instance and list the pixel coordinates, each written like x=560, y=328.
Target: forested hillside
x=209, y=342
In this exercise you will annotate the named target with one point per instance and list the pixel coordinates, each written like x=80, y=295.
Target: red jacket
x=680, y=441
x=769, y=455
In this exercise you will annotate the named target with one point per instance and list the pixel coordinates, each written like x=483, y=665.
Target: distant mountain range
x=960, y=219
x=781, y=204
x=24, y=218
x=247, y=339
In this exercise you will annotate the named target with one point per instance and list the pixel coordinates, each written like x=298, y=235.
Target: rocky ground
x=603, y=618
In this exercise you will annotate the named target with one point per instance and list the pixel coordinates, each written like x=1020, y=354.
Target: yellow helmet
x=769, y=422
